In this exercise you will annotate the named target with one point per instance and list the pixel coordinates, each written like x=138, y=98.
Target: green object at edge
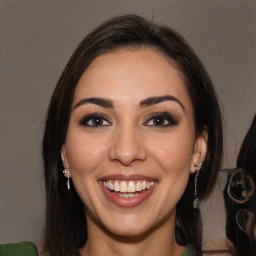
x=186, y=252
x=19, y=249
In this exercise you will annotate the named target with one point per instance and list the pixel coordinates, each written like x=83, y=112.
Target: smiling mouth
x=127, y=189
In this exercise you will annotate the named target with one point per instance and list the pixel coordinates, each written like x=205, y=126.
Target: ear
x=200, y=149
x=64, y=159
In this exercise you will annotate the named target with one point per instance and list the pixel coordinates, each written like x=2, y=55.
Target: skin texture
x=128, y=142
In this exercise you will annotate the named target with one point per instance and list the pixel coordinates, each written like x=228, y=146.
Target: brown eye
x=97, y=121
x=94, y=120
x=161, y=120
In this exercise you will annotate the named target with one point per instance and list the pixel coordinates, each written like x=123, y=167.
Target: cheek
x=173, y=156
x=173, y=152
x=84, y=153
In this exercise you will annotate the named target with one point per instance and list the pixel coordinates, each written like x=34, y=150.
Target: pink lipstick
x=127, y=191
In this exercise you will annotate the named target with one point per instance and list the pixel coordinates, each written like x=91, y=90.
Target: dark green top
x=188, y=251
x=29, y=249
x=19, y=249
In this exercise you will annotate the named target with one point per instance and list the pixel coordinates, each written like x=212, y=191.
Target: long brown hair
x=65, y=229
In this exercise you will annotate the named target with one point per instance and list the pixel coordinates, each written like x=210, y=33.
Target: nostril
x=127, y=157
x=127, y=148
x=125, y=161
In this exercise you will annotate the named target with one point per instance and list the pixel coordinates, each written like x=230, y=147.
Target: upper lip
x=126, y=177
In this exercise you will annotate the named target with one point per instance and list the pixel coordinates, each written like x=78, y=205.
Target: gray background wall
x=36, y=40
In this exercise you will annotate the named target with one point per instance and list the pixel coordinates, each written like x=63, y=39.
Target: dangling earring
x=68, y=183
x=196, y=199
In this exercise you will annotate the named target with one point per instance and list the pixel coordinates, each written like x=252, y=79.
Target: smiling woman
x=133, y=117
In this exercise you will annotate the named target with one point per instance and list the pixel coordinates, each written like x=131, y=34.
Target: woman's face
x=131, y=145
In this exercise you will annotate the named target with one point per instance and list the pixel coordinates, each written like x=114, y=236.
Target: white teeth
x=138, y=186
x=128, y=195
x=116, y=186
x=128, y=186
x=110, y=185
x=123, y=186
x=143, y=185
x=131, y=186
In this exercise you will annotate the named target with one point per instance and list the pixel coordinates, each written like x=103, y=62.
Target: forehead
x=132, y=74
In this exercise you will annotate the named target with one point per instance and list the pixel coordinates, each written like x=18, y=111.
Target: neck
x=160, y=240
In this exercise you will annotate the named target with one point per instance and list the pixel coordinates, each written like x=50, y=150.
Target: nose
x=128, y=147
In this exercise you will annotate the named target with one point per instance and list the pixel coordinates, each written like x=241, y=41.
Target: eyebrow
x=108, y=103
x=103, y=102
x=155, y=100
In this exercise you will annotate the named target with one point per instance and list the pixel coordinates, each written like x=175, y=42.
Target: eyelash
x=155, y=117
x=92, y=118
x=162, y=116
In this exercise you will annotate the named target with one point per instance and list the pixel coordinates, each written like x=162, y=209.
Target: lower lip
x=127, y=202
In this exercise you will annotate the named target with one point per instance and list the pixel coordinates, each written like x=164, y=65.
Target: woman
x=240, y=198
x=132, y=142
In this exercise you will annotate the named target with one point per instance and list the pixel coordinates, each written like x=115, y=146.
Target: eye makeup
x=94, y=120
x=154, y=120
x=161, y=120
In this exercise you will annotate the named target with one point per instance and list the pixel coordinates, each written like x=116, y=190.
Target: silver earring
x=196, y=199
x=68, y=182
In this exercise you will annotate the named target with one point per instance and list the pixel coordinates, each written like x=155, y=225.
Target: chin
x=129, y=233
x=129, y=227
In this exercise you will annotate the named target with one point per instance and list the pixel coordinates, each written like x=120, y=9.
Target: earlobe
x=200, y=150
x=64, y=159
